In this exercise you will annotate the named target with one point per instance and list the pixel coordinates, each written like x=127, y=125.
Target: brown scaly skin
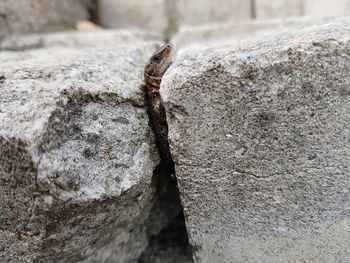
x=154, y=71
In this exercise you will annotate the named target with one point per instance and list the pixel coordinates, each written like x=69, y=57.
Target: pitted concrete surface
x=259, y=131
x=77, y=155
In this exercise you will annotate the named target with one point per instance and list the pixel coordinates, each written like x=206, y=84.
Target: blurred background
x=166, y=17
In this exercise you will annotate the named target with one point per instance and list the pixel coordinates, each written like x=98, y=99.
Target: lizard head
x=159, y=62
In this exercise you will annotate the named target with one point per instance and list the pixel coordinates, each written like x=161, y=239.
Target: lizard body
x=153, y=73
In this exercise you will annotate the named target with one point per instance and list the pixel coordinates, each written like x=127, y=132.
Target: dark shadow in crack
x=168, y=242
x=93, y=10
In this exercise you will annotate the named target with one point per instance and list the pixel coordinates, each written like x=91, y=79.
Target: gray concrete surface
x=170, y=16
x=78, y=39
x=167, y=15
x=325, y=8
x=267, y=9
x=147, y=14
x=258, y=125
x=28, y=16
x=259, y=131
x=216, y=35
x=206, y=11
x=76, y=154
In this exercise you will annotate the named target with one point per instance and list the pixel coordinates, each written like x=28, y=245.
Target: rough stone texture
x=76, y=154
x=259, y=131
x=278, y=8
x=197, y=12
x=322, y=8
x=146, y=14
x=25, y=16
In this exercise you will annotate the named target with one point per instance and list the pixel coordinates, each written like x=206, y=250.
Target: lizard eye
x=157, y=58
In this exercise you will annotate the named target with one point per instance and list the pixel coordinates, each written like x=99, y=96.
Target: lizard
x=153, y=73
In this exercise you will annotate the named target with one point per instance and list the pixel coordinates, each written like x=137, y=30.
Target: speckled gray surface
x=260, y=130
x=76, y=154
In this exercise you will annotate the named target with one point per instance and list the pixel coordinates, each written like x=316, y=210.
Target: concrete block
x=28, y=16
x=219, y=34
x=267, y=9
x=74, y=39
x=324, y=8
x=168, y=15
x=146, y=14
x=76, y=154
x=198, y=12
x=259, y=131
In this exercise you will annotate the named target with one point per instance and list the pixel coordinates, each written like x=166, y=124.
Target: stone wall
x=160, y=15
x=322, y=8
x=267, y=9
x=27, y=16
x=258, y=115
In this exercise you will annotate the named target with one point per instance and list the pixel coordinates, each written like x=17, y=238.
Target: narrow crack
x=172, y=14
x=93, y=10
x=252, y=9
x=170, y=243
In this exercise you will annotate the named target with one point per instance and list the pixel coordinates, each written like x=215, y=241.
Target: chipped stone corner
x=77, y=156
